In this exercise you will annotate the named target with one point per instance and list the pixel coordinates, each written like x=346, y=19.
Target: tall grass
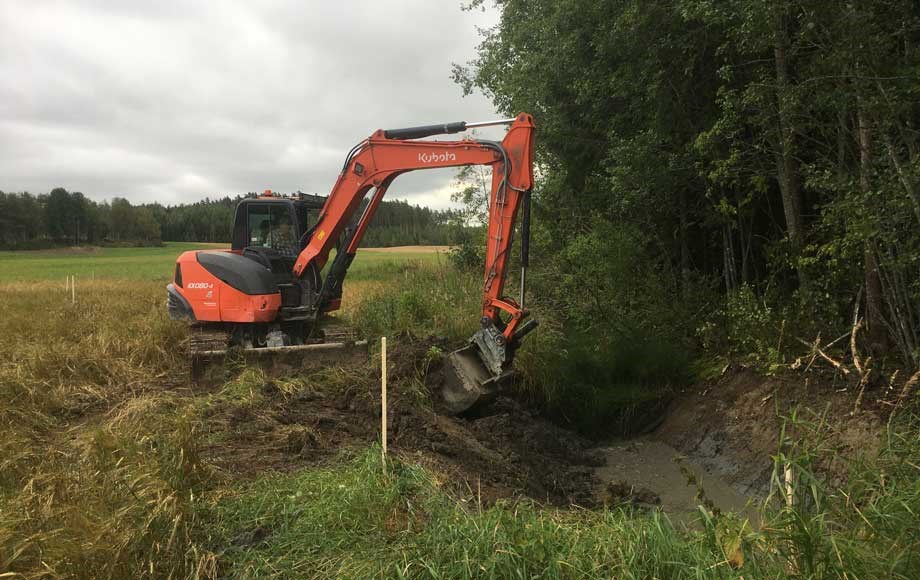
x=422, y=300
x=862, y=521
x=98, y=466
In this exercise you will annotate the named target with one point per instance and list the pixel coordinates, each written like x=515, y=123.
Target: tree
x=772, y=146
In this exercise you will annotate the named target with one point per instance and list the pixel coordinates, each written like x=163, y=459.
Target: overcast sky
x=172, y=101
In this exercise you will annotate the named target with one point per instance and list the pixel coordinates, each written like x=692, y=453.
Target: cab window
x=259, y=220
x=272, y=227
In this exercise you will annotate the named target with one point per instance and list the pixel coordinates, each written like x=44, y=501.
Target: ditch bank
x=712, y=446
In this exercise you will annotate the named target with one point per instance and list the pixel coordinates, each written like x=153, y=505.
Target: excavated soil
x=506, y=451
x=714, y=445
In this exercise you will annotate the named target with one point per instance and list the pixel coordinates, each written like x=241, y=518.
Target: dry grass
x=101, y=473
x=97, y=464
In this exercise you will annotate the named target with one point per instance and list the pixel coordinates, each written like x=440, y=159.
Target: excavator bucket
x=468, y=383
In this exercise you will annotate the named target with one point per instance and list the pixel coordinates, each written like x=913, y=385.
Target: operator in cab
x=282, y=236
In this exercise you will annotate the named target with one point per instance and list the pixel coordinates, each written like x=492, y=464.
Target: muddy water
x=652, y=466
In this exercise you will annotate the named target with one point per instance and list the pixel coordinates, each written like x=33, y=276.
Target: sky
x=175, y=101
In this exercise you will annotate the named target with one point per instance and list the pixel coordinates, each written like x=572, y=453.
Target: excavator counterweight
x=267, y=291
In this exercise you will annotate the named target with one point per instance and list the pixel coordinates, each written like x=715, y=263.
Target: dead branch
x=863, y=381
x=855, y=353
x=817, y=349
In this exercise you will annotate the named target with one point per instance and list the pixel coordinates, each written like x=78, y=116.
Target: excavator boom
x=474, y=371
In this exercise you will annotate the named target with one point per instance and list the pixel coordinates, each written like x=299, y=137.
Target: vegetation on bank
x=730, y=176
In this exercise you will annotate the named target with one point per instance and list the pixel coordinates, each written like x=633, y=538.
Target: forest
x=62, y=218
x=739, y=175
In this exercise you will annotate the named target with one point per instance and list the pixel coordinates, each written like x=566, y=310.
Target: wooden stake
x=383, y=395
x=790, y=492
x=73, y=290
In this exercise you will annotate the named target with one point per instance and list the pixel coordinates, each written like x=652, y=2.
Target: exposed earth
x=714, y=447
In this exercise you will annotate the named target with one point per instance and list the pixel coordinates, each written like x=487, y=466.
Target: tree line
x=70, y=218
x=745, y=171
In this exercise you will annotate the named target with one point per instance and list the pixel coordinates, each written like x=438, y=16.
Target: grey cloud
x=175, y=101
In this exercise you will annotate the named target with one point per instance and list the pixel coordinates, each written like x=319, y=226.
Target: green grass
x=359, y=519
x=158, y=263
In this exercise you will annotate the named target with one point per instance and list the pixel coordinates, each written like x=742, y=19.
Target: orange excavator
x=269, y=292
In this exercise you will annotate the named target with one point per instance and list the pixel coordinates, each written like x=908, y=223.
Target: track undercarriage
x=330, y=341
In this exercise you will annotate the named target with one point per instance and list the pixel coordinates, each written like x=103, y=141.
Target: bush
x=611, y=338
x=431, y=300
x=468, y=252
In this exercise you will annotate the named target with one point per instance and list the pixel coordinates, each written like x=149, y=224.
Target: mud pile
x=504, y=451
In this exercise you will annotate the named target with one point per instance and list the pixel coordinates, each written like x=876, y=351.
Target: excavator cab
x=275, y=226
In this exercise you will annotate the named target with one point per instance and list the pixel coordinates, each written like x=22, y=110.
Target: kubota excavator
x=267, y=291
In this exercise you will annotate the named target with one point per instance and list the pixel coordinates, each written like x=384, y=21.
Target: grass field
x=114, y=465
x=157, y=263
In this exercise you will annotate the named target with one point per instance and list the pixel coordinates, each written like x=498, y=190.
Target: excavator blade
x=468, y=383
x=337, y=346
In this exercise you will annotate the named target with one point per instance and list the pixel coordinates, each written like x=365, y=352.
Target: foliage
x=610, y=337
x=62, y=218
x=760, y=145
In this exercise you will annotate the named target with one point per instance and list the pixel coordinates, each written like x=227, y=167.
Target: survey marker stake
x=383, y=398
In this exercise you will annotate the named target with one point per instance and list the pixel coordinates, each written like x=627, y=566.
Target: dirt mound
x=504, y=452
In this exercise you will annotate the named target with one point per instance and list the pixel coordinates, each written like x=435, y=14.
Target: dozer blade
x=283, y=360
x=208, y=348
x=467, y=382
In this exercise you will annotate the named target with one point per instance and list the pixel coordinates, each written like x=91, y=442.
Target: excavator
x=270, y=291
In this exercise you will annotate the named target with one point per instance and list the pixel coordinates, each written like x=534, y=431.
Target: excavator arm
x=371, y=166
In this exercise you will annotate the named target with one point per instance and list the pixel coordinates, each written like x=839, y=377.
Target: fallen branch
x=817, y=349
x=863, y=381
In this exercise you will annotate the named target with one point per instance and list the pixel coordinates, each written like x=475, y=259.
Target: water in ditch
x=650, y=473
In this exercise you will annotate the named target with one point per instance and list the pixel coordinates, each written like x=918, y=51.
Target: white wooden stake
x=73, y=290
x=790, y=492
x=383, y=395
